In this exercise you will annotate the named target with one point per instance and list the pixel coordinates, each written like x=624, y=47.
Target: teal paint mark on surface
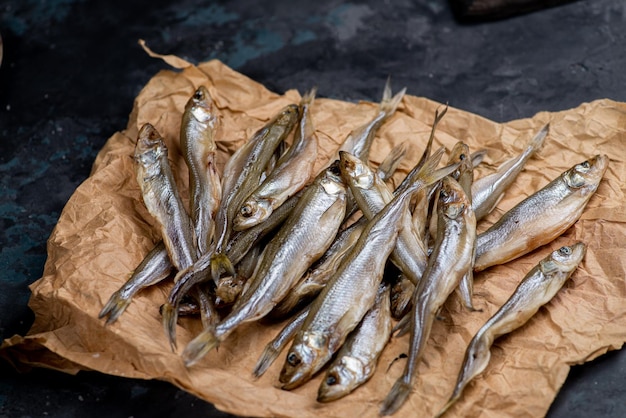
x=302, y=36
x=10, y=210
x=247, y=47
x=18, y=262
x=37, y=12
x=346, y=19
x=9, y=165
x=213, y=14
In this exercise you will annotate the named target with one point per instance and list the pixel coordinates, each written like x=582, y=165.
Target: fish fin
x=169, y=313
x=397, y=396
x=267, y=358
x=308, y=97
x=429, y=145
x=447, y=406
x=116, y=305
x=219, y=262
x=402, y=327
x=539, y=138
x=200, y=346
x=429, y=174
x=389, y=103
x=466, y=290
x=391, y=162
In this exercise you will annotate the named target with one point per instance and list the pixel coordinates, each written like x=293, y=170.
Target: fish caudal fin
x=397, y=396
x=390, y=103
x=265, y=360
x=116, y=305
x=539, y=138
x=169, y=314
x=220, y=262
x=447, y=406
x=200, y=346
x=308, y=97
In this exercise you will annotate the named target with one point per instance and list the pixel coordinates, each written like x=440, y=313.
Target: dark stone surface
x=71, y=69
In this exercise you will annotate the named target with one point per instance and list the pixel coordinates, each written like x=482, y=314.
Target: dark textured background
x=71, y=69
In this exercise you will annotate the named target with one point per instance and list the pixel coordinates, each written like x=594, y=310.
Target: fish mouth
x=299, y=377
x=599, y=164
x=338, y=382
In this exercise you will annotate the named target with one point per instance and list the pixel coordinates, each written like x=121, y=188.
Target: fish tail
x=169, y=313
x=402, y=327
x=398, y=394
x=116, y=305
x=447, y=406
x=392, y=161
x=429, y=174
x=200, y=346
x=390, y=103
x=265, y=361
x=308, y=97
x=539, y=138
x=220, y=262
x=466, y=290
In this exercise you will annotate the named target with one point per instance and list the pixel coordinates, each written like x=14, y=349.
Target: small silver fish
x=292, y=172
x=359, y=141
x=303, y=238
x=197, y=141
x=536, y=289
x=242, y=174
x=154, y=268
x=349, y=294
x=450, y=261
x=487, y=191
x=541, y=217
x=162, y=199
x=356, y=361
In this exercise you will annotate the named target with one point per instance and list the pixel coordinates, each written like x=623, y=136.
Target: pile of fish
x=346, y=257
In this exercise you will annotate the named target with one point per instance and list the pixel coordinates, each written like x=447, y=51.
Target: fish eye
x=334, y=169
x=293, y=359
x=247, y=210
x=331, y=380
x=198, y=95
x=443, y=194
x=462, y=157
x=565, y=250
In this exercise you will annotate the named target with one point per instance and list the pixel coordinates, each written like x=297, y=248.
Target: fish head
x=565, y=259
x=304, y=358
x=201, y=106
x=464, y=174
x=452, y=199
x=150, y=147
x=252, y=212
x=586, y=176
x=355, y=171
x=288, y=116
x=331, y=180
x=341, y=379
x=477, y=358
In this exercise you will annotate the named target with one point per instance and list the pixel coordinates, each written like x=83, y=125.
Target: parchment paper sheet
x=105, y=231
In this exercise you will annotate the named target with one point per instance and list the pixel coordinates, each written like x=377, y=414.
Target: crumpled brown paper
x=105, y=231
